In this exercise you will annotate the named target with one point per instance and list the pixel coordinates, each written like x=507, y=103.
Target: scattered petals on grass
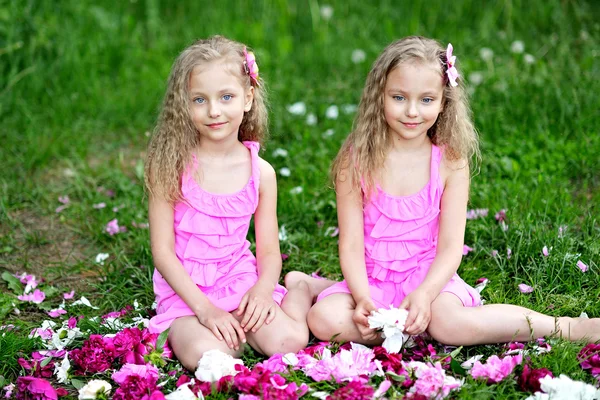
x=328, y=133
x=101, y=257
x=517, y=47
x=64, y=199
x=481, y=283
x=296, y=190
x=36, y=297
x=486, y=54
x=349, y=108
x=545, y=251
x=83, y=301
x=358, y=56
x=298, y=108
x=332, y=112
x=56, y=312
x=99, y=206
x=61, y=208
x=508, y=253
x=500, y=215
x=494, y=253
x=112, y=227
x=311, y=119
x=326, y=12
x=468, y=364
x=68, y=296
x=477, y=213
x=582, y=266
x=524, y=288
x=466, y=249
x=332, y=231
x=279, y=152
x=285, y=172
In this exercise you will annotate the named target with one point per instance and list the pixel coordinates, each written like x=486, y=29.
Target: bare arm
x=268, y=255
x=453, y=219
x=352, y=240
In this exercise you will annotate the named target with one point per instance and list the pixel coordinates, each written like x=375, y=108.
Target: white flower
x=101, y=257
x=528, y=58
x=469, y=363
x=328, y=133
x=89, y=391
x=136, y=305
x=517, y=46
x=358, y=56
x=476, y=78
x=184, y=392
x=61, y=370
x=332, y=112
x=311, y=119
x=282, y=234
x=486, y=53
x=320, y=395
x=298, y=108
x=215, y=364
x=296, y=190
x=564, y=388
x=114, y=323
x=326, y=12
x=63, y=337
x=391, y=321
x=349, y=108
x=290, y=359
x=83, y=301
x=480, y=286
x=280, y=153
x=284, y=171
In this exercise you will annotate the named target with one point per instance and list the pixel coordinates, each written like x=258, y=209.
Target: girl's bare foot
x=315, y=285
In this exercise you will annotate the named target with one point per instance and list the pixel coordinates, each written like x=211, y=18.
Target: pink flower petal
x=112, y=227
x=55, y=313
x=508, y=253
x=494, y=253
x=523, y=288
x=545, y=251
x=466, y=249
x=99, y=206
x=68, y=296
x=64, y=199
x=582, y=266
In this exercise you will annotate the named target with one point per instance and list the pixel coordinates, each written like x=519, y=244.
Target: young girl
x=205, y=181
x=402, y=182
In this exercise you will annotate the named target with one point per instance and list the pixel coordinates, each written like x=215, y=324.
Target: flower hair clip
x=451, y=70
x=250, y=66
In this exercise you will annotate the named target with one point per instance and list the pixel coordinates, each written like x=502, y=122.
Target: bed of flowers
x=115, y=356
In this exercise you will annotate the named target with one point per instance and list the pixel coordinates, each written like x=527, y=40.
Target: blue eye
x=398, y=97
x=227, y=97
x=199, y=100
x=427, y=100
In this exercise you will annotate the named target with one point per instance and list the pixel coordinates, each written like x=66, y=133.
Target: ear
x=249, y=97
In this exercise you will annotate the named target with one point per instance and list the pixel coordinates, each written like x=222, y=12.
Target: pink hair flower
x=451, y=70
x=250, y=66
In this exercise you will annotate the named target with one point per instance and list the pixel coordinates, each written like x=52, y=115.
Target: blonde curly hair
x=364, y=150
x=175, y=136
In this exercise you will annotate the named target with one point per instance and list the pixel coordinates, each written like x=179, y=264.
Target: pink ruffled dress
x=401, y=241
x=210, y=241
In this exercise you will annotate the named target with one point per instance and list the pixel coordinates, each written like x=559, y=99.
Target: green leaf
x=162, y=339
x=456, y=352
x=395, y=376
x=77, y=383
x=14, y=283
x=45, y=361
x=457, y=368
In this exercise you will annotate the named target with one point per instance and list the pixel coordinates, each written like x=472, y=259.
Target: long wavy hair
x=363, y=153
x=175, y=136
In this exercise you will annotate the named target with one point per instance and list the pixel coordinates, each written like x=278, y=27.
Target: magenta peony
x=96, y=355
x=31, y=388
x=589, y=358
x=354, y=390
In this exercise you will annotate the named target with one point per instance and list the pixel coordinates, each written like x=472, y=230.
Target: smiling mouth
x=411, y=124
x=216, y=124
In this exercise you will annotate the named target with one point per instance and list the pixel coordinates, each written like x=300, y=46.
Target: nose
x=411, y=109
x=214, y=111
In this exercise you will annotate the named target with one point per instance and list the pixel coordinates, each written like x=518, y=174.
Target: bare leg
x=189, y=340
x=332, y=316
x=288, y=332
x=452, y=323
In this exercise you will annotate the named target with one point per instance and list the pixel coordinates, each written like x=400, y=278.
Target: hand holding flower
x=418, y=304
x=360, y=317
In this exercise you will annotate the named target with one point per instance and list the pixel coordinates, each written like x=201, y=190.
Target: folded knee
x=321, y=323
x=452, y=333
x=289, y=342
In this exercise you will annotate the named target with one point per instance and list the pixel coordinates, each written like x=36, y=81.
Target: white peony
x=62, y=370
x=564, y=388
x=89, y=391
x=184, y=392
x=215, y=364
x=391, y=321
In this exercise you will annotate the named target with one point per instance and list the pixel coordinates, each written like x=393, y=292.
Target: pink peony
x=495, y=369
x=143, y=371
x=134, y=387
x=589, y=358
x=96, y=355
x=529, y=380
x=354, y=390
x=31, y=388
x=265, y=384
x=432, y=381
x=275, y=363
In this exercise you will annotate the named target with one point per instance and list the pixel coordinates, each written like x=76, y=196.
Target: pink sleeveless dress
x=401, y=242
x=210, y=241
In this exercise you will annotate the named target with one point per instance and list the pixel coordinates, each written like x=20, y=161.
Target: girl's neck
x=400, y=145
x=221, y=149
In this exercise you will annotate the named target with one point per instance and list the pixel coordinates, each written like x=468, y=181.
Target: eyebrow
x=426, y=93
x=224, y=90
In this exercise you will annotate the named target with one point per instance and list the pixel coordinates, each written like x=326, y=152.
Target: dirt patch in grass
x=47, y=248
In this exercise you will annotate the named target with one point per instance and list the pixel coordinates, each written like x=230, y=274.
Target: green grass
x=81, y=83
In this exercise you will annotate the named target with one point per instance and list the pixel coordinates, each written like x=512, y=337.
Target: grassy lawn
x=80, y=87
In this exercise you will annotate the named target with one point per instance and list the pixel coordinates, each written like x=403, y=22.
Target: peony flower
x=354, y=390
x=215, y=364
x=391, y=321
x=136, y=387
x=346, y=365
x=564, y=388
x=589, y=358
x=432, y=381
x=96, y=355
x=29, y=387
x=529, y=380
x=495, y=369
x=143, y=371
x=183, y=392
x=94, y=387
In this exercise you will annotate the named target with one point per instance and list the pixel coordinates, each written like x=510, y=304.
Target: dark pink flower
x=148, y=372
x=137, y=388
x=589, y=358
x=500, y=215
x=96, y=355
x=35, y=369
x=355, y=390
x=31, y=388
x=529, y=380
